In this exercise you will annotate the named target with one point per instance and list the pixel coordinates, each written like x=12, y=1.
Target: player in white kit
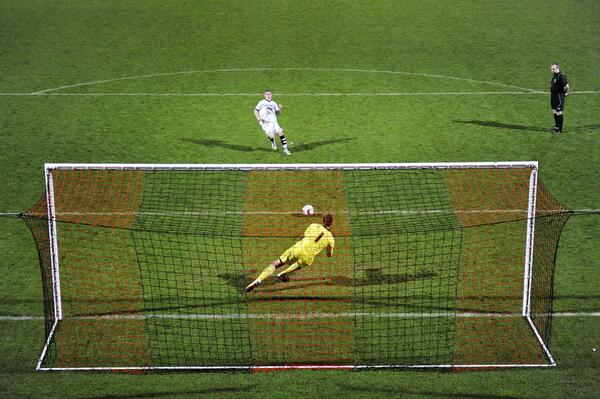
x=266, y=112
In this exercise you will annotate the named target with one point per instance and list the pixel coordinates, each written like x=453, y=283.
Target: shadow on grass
x=174, y=394
x=211, y=143
x=537, y=129
x=501, y=125
x=593, y=126
x=373, y=276
x=298, y=147
x=389, y=392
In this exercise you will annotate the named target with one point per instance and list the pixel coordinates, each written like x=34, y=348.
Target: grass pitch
x=176, y=82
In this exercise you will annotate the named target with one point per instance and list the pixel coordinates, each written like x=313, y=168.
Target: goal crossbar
x=296, y=166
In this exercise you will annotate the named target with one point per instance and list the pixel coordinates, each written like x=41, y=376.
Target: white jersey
x=267, y=110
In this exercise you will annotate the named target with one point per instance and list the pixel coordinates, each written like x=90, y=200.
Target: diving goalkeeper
x=316, y=238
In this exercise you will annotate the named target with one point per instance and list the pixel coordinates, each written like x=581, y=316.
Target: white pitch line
x=300, y=316
x=381, y=94
x=153, y=75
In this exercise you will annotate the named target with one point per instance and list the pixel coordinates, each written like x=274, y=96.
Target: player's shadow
x=298, y=147
x=592, y=126
x=502, y=125
x=537, y=129
x=212, y=143
x=301, y=146
x=239, y=281
x=372, y=276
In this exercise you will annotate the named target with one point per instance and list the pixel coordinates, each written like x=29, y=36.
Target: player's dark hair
x=266, y=90
x=328, y=220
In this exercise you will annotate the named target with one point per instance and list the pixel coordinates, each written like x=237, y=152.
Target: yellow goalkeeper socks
x=266, y=273
x=289, y=269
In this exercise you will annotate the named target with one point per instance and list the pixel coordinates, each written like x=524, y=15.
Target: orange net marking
x=98, y=197
x=492, y=205
x=302, y=321
x=99, y=273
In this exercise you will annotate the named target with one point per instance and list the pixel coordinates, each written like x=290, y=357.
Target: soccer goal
x=436, y=265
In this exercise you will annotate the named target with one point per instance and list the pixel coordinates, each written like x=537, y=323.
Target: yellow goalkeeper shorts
x=295, y=254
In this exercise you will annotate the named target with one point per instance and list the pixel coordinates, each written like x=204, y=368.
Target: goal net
x=435, y=265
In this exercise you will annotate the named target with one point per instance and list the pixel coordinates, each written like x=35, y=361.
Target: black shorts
x=557, y=102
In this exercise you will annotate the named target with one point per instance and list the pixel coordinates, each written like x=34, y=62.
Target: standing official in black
x=559, y=89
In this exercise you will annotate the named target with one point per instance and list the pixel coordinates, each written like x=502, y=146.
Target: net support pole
x=529, y=241
x=56, y=294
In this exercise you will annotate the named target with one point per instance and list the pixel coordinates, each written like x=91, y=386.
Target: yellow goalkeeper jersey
x=316, y=238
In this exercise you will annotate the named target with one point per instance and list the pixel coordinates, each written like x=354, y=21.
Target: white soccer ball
x=308, y=210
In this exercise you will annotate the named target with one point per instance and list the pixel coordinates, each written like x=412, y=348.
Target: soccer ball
x=308, y=210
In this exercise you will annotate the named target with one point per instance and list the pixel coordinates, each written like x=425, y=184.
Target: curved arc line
x=153, y=75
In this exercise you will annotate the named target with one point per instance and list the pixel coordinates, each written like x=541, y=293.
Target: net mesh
x=428, y=268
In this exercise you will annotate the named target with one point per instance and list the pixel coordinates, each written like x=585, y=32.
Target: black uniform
x=557, y=91
x=557, y=99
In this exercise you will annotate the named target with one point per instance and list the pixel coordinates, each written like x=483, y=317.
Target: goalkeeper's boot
x=286, y=151
x=284, y=278
x=252, y=285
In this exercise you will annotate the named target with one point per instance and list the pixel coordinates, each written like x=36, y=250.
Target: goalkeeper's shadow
x=372, y=277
